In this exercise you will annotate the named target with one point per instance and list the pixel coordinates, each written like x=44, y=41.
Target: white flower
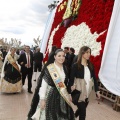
x=78, y=36
x=51, y=38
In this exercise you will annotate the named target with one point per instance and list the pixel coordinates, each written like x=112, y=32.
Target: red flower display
x=96, y=14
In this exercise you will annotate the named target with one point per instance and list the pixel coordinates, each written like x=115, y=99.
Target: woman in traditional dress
x=83, y=79
x=53, y=104
x=11, y=76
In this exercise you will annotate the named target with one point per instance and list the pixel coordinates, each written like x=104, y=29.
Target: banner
x=109, y=73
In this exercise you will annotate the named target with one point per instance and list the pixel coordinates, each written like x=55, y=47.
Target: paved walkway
x=16, y=107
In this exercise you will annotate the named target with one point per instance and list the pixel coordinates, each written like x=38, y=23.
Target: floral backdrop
x=89, y=27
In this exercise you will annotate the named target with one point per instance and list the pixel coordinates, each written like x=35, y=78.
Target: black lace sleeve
x=35, y=99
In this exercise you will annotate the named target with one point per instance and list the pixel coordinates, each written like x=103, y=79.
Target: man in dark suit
x=38, y=58
x=26, y=62
x=71, y=57
x=66, y=51
x=75, y=59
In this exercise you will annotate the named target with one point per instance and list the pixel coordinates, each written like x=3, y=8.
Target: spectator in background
x=38, y=58
x=51, y=55
x=75, y=59
x=11, y=77
x=54, y=48
x=70, y=59
x=26, y=62
x=22, y=51
x=66, y=51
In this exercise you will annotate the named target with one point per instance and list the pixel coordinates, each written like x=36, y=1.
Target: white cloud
x=23, y=19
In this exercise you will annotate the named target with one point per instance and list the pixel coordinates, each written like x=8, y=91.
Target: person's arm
x=72, y=76
x=95, y=81
x=96, y=84
x=42, y=94
x=43, y=89
x=20, y=60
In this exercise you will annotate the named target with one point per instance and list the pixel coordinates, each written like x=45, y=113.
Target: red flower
x=96, y=14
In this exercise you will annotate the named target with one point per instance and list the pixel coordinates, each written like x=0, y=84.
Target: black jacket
x=24, y=60
x=38, y=58
x=70, y=59
x=76, y=73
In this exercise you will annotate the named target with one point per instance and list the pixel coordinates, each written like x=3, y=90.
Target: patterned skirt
x=56, y=107
x=7, y=87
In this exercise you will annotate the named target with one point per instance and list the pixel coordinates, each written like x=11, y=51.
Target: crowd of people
x=65, y=79
x=16, y=65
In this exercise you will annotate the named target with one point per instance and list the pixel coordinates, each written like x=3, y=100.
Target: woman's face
x=60, y=57
x=13, y=50
x=86, y=55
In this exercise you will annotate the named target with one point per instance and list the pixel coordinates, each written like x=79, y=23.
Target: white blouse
x=43, y=88
x=87, y=77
